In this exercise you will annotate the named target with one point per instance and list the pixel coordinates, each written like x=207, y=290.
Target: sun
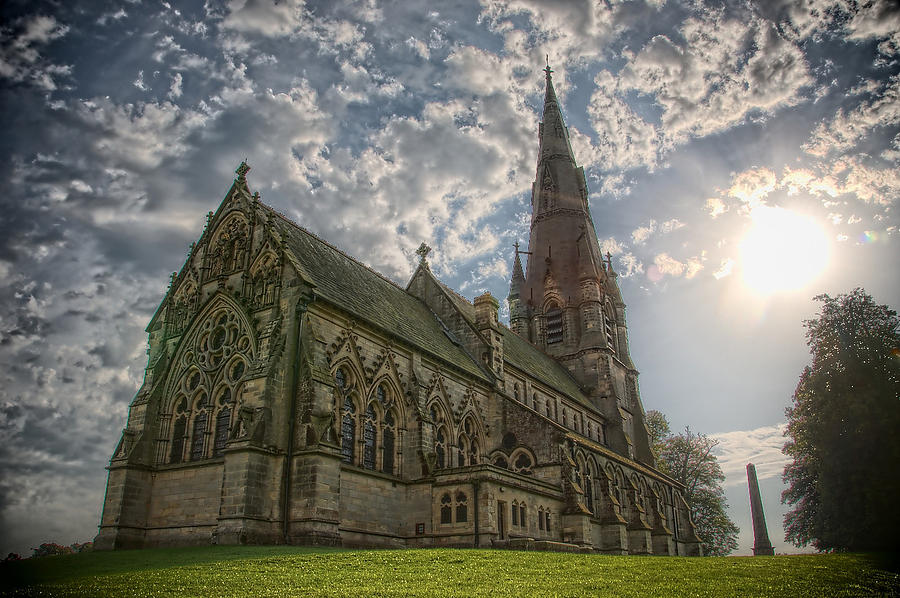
x=783, y=251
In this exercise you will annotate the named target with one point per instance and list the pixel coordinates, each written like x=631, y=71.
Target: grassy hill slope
x=293, y=571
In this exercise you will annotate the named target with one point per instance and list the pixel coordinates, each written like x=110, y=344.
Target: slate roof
x=524, y=356
x=359, y=290
x=369, y=296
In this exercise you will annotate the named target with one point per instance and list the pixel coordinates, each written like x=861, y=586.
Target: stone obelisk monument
x=761, y=544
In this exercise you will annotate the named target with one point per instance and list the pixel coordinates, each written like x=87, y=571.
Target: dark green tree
x=843, y=429
x=688, y=458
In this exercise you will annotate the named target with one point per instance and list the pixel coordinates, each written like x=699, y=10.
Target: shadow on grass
x=53, y=569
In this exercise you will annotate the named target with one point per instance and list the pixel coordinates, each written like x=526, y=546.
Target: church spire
x=562, y=244
x=549, y=92
x=554, y=136
x=568, y=302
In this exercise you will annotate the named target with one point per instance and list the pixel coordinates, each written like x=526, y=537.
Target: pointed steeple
x=553, y=132
x=518, y=311
x=562, y=242
x=518, y=277
x=568, y=303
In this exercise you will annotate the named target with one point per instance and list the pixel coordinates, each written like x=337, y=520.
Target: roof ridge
x=330, y=245
x=451, y=291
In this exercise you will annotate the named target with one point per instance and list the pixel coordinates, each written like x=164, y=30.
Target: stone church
x=293, y=395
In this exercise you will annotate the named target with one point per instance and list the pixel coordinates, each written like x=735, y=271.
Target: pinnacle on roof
x=518, y=276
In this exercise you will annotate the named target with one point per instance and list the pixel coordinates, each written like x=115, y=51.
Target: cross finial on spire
x=516, y=245
x=547, y=69
x=423, y=252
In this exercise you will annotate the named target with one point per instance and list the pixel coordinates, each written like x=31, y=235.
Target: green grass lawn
x=292, y=571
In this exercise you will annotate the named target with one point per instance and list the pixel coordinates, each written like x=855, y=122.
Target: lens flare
x=783, y=251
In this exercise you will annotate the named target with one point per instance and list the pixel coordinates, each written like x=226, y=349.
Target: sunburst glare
x=783, y=251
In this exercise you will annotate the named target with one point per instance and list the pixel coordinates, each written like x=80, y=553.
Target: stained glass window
x=348, y=431
x=369, y=439
x=198, y=436
x=387, y=458
x=178, y=440
x=223, y=420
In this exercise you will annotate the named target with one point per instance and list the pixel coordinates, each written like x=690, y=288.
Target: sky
x=741, y=158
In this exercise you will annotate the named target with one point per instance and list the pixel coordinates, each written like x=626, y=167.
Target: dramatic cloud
x=21, y=43
x=380, y=126
x=846, y=131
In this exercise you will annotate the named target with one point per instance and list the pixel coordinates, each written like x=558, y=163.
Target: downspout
x=299, y=310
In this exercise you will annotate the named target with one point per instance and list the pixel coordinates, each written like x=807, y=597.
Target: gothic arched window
x=348, y=430
x=223, y=420
x=387, y=441
x=588, y=482
x=515, y=513
x=462, y=510
x=440, y=448
x=522, y=521
x=218, y=349
x=198, y=436
x=369, y=438
x=609, y=323
x=178, y=433
x=554, y=324
x=446, y=510
x=541, y=518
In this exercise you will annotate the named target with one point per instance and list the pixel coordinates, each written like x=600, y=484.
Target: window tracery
x=467, y=444
x=387, y=435
x=208, y=377
x=348, y=429
x=523, y=463
x=440, y=436
x=369, y=435
x=378, y=421
x=446, y=509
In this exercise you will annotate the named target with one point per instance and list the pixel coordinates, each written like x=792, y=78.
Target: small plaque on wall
x=420, y=529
